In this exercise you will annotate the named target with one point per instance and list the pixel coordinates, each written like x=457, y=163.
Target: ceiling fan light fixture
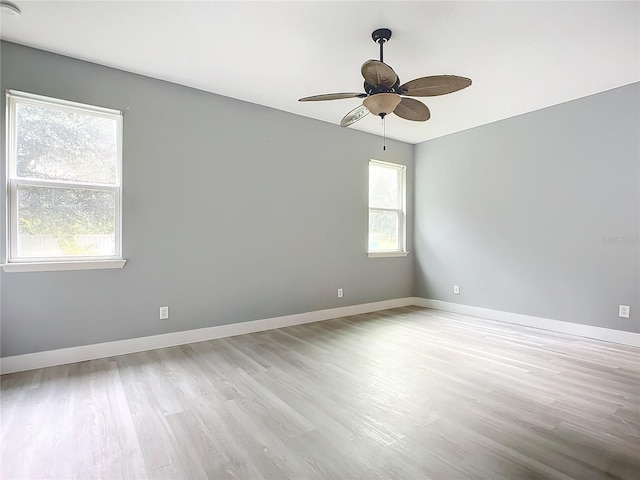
x=9, y=8
x=384, y=94
x=382, y=104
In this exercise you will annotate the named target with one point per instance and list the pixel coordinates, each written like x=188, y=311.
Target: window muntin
x=64, y=180
x=386, y=207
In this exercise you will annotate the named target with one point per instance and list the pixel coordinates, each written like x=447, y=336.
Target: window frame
x=401, y=212
x=15, y=263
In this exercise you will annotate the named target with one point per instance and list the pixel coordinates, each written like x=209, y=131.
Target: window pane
x=59, y=144
x=383, y=187
x=65, y=222
x=383, y=230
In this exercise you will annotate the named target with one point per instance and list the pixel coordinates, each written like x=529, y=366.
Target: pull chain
x=384, y=135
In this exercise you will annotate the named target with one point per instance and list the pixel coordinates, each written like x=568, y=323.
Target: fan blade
x=433, y=86
x=333, y=96
x=378, y=74
x=411, y=109
x=354, y=115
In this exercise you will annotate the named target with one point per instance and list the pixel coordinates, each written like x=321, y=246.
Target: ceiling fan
x=384, y=94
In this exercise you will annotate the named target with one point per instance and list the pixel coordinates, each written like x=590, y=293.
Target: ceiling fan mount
x=381, y=35
x=383, y=93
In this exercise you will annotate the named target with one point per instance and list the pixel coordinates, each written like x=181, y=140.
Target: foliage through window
x=386, y=208
x=64, y=166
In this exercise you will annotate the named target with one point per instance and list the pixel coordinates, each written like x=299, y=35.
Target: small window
x=387, y=217
x=64, y=181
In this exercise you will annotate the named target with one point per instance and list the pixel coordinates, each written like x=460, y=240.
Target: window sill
x=387, y=254
x=60, y=266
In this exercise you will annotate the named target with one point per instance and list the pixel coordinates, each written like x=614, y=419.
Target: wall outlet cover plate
x=623, y=311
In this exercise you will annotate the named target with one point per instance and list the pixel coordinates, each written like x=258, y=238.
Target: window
x=386, y=209
x=64, y=169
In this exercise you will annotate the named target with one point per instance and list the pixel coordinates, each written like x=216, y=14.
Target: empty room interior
x=320, y=240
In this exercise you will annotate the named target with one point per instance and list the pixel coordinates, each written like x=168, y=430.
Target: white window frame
x=401, y=212
x=24, y=264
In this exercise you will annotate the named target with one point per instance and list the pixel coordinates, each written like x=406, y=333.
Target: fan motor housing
x=372, y=89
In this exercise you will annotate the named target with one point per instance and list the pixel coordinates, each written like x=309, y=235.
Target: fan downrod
x=380, y=36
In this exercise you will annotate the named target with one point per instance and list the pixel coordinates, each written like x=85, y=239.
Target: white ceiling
x=521, y=56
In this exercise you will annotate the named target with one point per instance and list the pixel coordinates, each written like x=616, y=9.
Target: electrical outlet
x=164, y=313
x=340, y=293
x=623, y=311
x=456, y=289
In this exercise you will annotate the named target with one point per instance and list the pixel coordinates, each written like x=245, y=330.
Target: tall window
x=387, y=216
x=64, y=170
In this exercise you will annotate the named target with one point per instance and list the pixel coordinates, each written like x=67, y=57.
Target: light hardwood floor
x=407, y=393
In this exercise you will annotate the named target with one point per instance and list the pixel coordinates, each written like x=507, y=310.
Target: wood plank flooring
x=407, y=393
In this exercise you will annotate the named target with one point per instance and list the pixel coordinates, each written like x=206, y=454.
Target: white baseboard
x=580, y=330
x=50, y=358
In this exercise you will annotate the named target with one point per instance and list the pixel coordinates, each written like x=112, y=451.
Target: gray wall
x=232, y=212
x=235, y=212
x=538, y=214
